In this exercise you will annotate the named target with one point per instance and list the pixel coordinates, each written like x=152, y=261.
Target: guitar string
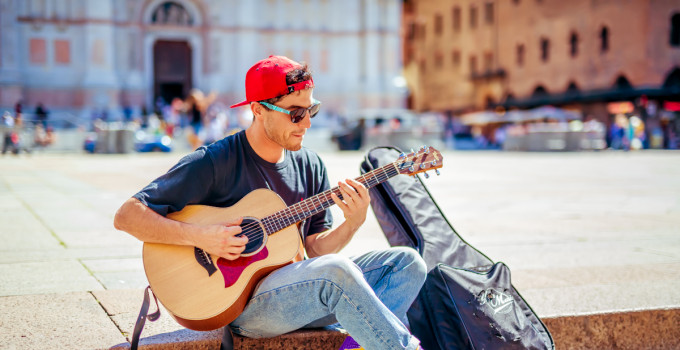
x=254, y=227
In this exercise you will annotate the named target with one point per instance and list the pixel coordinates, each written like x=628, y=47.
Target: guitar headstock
x=426, y=158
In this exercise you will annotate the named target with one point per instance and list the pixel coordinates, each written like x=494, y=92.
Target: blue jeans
x=368, y=296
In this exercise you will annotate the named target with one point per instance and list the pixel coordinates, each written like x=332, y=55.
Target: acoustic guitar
x=205, y=292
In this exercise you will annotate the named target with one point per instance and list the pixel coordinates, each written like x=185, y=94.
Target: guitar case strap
x=143, y=316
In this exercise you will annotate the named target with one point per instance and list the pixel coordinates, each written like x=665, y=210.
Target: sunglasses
x=297, y=114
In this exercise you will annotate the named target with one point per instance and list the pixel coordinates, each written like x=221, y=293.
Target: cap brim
x=240, y=104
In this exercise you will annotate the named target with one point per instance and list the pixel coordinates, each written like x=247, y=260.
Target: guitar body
x=200, y=301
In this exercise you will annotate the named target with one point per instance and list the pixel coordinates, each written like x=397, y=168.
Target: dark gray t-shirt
x=224, y=172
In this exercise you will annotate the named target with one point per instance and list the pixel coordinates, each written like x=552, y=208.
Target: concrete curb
x=308, y=339
x=645, y=329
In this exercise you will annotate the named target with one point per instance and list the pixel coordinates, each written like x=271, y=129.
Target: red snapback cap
x=267, y=79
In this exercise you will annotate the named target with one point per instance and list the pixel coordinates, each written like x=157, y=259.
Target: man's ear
x=257, y=110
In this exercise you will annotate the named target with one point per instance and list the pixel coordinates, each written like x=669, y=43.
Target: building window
x=37, y=51
x=488, y=12
x=489, y=102
x=545, y=49
x=455, y=57
x=411, y=31
x=408, y=55
x=675, y=30
x=604, y=39
x=456, y=18
x=171, y=13
x=62, y=51
x=438, y=60
x=488, y=61
x=438, y=24
x=420, y=31
x=573, y=44
x=473, y=65
x=473, y=16
x=520, y=55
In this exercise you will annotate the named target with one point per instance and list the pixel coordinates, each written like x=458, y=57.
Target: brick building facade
x=469, y=55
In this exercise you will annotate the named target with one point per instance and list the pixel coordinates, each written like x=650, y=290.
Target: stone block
x=55, y=322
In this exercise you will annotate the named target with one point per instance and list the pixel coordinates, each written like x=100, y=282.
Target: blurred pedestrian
x=7, y=129
x=196, y=106
x=18, y=107
x=41, y=114
x=618, y=132
x=127, y=113
x=13, y=134
x=43, y=137
x=144, y=122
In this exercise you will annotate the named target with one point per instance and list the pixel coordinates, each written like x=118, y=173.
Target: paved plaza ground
x=582, y=233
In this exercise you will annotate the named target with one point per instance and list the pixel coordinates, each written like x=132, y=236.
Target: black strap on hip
x=143, y=315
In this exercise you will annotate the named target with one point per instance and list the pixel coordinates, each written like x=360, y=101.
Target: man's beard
x=280, y=140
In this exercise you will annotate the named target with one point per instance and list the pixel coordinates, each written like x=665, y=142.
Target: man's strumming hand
x=222, y=239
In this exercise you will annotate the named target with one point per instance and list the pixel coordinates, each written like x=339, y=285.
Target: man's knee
x=410, y=260
x=338, y=268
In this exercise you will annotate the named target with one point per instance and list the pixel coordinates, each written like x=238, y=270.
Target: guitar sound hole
x=256, y=237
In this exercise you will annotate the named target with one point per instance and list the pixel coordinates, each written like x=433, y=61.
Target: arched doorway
x=622, y=83
x=672, y=81
x=173, y=49
x=171, y=69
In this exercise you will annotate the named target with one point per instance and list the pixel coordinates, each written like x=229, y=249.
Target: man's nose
x=306, y=122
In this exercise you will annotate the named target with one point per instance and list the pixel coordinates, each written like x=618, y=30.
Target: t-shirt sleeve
x=188, y=182
x=322, y=221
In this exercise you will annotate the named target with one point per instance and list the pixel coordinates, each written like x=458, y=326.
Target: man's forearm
x=146, y=225
x=331, y=241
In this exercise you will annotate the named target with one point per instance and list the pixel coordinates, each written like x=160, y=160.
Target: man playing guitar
x=367, y=295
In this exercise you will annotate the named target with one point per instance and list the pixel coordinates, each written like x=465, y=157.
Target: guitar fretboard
x=322, y=201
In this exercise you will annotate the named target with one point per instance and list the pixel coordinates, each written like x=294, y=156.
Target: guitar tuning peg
x=437, y=172
x=427, y=176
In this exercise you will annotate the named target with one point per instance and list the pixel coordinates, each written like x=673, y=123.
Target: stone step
x=635, y=329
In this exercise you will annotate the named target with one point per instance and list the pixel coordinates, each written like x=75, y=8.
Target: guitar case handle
x=143, y=315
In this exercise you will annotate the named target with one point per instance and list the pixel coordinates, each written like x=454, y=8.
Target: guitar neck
x=322, y=201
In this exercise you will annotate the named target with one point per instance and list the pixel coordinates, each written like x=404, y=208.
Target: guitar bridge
x=204, y=259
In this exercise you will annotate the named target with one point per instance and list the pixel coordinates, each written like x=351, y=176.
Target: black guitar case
x=468, y=301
